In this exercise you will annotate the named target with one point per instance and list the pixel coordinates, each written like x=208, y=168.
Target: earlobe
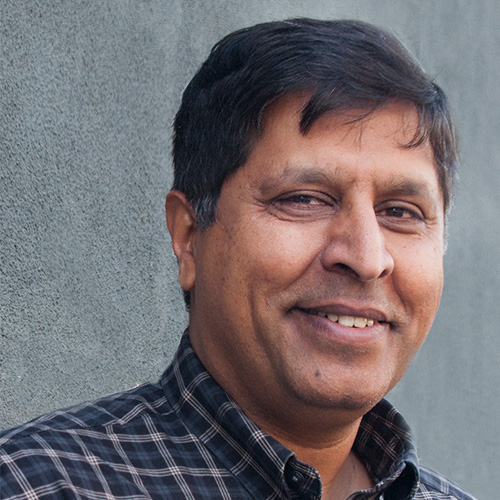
x=181, y=222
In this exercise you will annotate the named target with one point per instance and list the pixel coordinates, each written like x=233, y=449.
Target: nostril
x=345, y=269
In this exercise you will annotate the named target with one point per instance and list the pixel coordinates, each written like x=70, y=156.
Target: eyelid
x=415, y=212
x=314, y=195
x=314, y=205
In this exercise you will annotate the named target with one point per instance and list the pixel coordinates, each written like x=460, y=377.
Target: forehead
x=335, y=140
x=397, y=119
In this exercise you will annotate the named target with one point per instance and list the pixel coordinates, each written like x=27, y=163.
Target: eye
x=401, y=213
x=301, y=205
x=400, y=216
x=301, y=199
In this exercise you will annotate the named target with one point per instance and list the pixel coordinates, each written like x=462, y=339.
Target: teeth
x=351, y=321
x=346, y=320
x=360, y=322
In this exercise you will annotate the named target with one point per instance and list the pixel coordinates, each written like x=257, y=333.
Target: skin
x=342, y=220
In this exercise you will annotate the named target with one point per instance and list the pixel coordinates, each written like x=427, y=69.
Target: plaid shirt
x=185, y=438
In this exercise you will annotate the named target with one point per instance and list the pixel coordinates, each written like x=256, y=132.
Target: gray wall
x=88, y=296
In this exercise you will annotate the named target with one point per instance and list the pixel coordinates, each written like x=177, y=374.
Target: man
x=313, y=172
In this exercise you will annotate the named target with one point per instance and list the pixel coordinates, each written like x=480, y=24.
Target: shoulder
x=39, y=456
x=114, y=409
x=434, y=486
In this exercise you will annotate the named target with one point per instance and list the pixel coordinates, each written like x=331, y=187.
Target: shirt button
x=296, y=478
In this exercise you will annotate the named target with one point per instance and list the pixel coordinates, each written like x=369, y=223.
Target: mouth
x=345, y=319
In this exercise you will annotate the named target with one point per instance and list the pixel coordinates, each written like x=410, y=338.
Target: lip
x=345, y=310
x=332, y=332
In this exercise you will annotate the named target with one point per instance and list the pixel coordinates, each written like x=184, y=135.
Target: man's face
x=323, y=273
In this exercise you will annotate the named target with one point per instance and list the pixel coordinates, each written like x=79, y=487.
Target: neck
x=329, y=452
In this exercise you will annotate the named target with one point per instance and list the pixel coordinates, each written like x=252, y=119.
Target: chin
x=353, y=401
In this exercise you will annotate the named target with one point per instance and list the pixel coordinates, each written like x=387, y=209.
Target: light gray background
x=88, y=297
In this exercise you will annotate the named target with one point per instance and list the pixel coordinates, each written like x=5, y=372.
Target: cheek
x=278, y=252
x=419, y=282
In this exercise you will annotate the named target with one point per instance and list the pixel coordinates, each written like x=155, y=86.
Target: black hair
x=344, y=65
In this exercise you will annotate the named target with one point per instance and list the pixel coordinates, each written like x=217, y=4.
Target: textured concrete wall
x=88, y=296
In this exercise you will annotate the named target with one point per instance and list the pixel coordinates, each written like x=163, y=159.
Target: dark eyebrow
x=399, y=186
x=395, y=186
x=296, y=175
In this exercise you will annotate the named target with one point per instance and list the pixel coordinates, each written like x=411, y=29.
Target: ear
x=181, y=222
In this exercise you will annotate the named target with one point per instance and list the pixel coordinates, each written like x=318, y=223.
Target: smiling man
x=313, y=171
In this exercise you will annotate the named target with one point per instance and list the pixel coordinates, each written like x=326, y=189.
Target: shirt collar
x=263, y=464
x=385, y=443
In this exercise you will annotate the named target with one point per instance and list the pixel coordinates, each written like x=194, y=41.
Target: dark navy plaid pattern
x=185, y=438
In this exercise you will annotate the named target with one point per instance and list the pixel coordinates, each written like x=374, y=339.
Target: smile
x=350, y=321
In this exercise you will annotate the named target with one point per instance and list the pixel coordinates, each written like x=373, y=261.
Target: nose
x=356, y=244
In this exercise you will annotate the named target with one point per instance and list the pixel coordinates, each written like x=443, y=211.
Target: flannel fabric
x=185, y=438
